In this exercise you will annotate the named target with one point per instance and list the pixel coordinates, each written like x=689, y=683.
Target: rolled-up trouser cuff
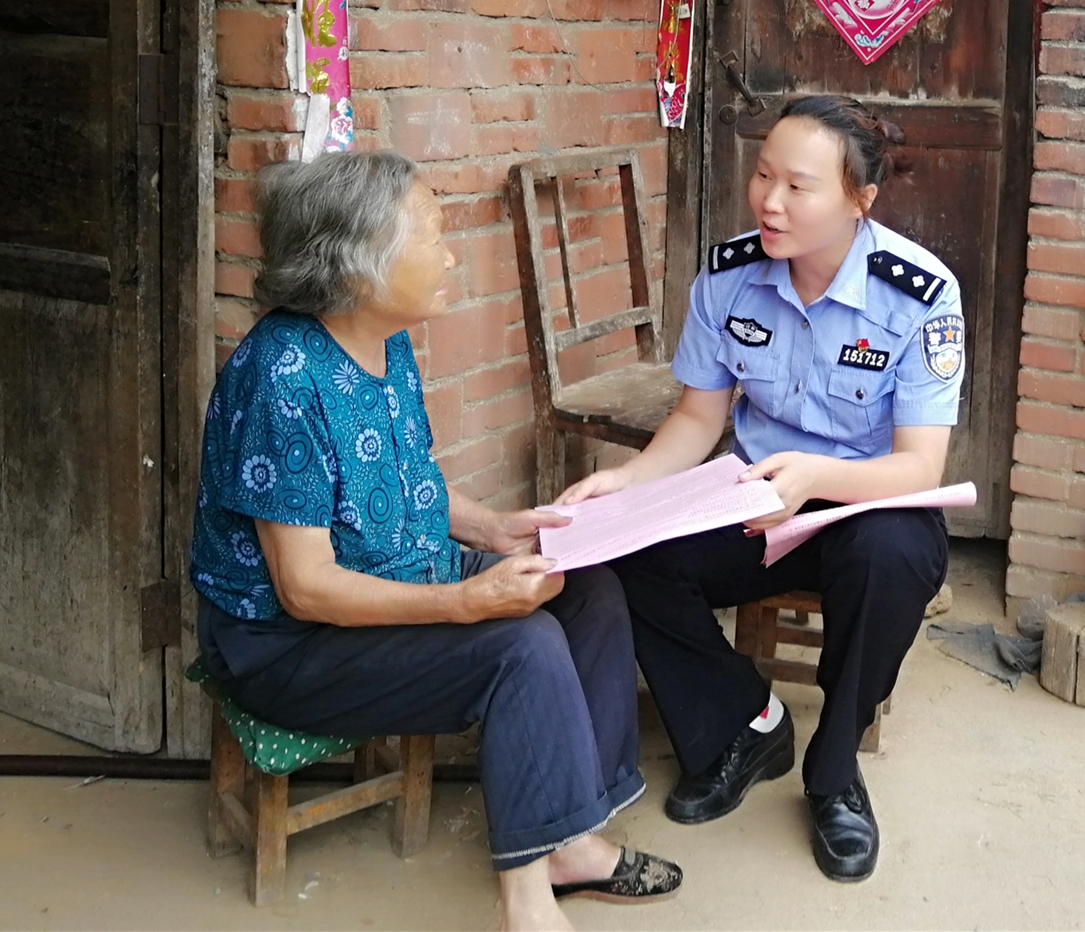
x=515, y=849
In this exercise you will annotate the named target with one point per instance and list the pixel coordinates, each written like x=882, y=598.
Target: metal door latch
x=754, y=105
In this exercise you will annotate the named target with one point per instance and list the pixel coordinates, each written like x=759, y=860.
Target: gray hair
x=331, y=229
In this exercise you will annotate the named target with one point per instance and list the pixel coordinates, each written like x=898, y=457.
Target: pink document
x=785, y=537
x=705, y=497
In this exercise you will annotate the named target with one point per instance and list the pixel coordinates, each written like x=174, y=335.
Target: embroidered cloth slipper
x=637, y=878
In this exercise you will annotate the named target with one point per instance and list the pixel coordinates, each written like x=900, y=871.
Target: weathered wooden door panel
x=954, y=84
x=80, y=419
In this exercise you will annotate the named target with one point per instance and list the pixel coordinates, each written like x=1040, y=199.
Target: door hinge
x=158, y=90
x=160, y=615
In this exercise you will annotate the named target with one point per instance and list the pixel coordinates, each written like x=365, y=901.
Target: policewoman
x=847, y=341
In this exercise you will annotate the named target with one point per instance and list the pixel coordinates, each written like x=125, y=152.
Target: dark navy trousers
x=555, y=694
x=875, y=572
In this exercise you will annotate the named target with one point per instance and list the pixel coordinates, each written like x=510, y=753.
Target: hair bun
x=891, y=131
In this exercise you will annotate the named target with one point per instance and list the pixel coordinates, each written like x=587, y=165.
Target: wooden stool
x=758, y=629
x=269, y=820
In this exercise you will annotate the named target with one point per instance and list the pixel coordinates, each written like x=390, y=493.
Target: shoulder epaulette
x=737, y=252
x=911, y=279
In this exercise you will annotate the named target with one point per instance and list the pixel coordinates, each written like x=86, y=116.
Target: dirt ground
x=979, y=793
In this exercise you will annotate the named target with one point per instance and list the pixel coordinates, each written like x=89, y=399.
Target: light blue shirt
x=837, y=377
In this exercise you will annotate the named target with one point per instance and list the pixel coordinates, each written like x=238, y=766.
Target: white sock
x=770, y=717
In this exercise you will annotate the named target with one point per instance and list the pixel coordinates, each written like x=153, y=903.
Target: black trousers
x=875, y=572
x=556, y=693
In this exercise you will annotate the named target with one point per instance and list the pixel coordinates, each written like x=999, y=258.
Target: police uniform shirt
x=882, y=348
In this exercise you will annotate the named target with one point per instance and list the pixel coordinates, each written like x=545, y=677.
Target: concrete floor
x=979, y=792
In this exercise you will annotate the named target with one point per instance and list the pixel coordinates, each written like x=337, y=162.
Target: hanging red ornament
x=870, y=27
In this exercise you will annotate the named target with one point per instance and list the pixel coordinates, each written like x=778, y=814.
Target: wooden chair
x=265, y=824
x=758, y=629
x=624, y=406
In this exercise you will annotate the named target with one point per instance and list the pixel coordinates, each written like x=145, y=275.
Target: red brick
x=440, y=6
x=634, y=127
x=644, y=69
x=585, y=256
x=251, y=48
x=602, y=293
x=1051, y=420
x=644, y=10
x=1058, y=60
x=494, y=415
x=1056, y=389
x=234, y=318
x=1026, y=480
x=540, y=69
x=532, y=37
x=1057, y=257
x=501, y=105
x=1058, y=191
x=1056, y=224
x=235, y=195
x=281, y=112
x=632, y=100
x=471, y=54
x=1060, y=156
x=249, y=153
x=367, y=142
x=224, y=349
x=367, y=110
x=481, y=485
x=1049, y=520
x=376, y=32
x=1047, y=322
x=1061, y=124
x=488, y=383
x=431, y=126
x=500, y=138
x=492, y=264
x=469, y=214
x=1040, y=355
x=575, y=118
x=470, y=457
x=1064, y=25
x=653, y=167
x=1079, y=458
x=237, y=238
x=1051, y=554
x=465, y=339
x=1076, y=499
x=378, y=70
x=605, y=56
x=516, y=339
x=532, y=9
x=1048, y=289
x=604, y=193
x=1046, y=452
x=585, y=10
x=233, y=278
x=444, y=405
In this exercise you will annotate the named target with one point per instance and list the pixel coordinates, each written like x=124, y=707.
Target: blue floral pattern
x=314, y=440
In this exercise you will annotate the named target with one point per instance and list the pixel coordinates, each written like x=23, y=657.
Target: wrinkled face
x=416, y=289
x=797, y=191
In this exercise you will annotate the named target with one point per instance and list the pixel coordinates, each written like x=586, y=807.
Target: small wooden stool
x=758, y=629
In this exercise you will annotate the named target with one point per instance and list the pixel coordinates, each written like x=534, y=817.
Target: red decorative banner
x=672, y=60
x=870, y=27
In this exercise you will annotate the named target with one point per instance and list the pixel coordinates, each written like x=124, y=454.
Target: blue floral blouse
x=298, y=433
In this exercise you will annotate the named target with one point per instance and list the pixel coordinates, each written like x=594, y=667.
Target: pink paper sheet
x=705, y=497
x=785, y=537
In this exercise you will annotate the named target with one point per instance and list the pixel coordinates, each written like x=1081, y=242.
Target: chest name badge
x=747, y=331
x=943, y=346
x=860, y=356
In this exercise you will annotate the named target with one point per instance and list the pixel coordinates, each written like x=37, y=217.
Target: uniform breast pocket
x=861, y=408
x=758, y=371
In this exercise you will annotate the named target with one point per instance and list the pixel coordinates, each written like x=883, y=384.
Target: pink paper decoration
x=870, y=27
x=327, y=68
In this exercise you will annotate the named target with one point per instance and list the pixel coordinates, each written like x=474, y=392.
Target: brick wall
x=467, y=88
x=1047, y=546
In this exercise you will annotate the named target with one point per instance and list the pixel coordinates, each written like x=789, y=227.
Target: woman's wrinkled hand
x=513, y=588
x=793, y=476
x=517, y=532
x=604, y=482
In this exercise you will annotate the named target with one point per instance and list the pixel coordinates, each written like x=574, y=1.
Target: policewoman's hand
x=513, y=588
x=599, y=483
x=793, y=476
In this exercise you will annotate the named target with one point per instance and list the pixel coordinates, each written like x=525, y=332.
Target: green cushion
x=270, y=748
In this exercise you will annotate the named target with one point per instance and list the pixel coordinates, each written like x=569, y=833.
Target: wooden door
x=959, y=85
x=80, y=381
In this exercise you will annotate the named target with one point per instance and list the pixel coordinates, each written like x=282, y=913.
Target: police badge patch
x=748, y=332
x=943, y=346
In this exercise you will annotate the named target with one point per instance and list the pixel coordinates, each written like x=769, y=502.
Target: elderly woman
x=335, y=596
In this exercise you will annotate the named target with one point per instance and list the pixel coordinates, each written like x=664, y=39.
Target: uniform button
x=798, y=386
x=806, y=325
x=741, y=367
x=860, y=394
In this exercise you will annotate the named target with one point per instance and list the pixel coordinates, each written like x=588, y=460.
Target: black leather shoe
x=752, y=756
x=845, y=833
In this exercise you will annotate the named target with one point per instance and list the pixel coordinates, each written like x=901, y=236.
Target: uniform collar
x=849, y=285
